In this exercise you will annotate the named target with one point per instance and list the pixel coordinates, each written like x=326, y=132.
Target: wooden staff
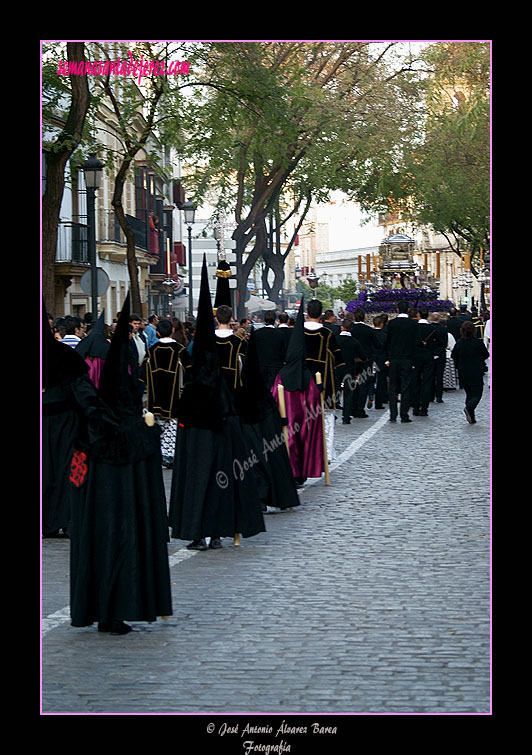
x=282, y=412
x=325, y=459
x=236, y=539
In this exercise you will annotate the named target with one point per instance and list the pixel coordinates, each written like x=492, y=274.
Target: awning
x=256, y=304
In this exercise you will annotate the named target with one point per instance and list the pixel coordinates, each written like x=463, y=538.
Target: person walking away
x=400, y=347
x=271, y=349
x=167, y=365
x=428, y=347
x=440, y=362
x=370, y=344
x=381, y=376
x=470, y=356
x=323, y=356
x=353, y=357
x=302, y=406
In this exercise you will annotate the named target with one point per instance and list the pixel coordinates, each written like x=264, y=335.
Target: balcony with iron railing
x=72, y=243
x=72, y=238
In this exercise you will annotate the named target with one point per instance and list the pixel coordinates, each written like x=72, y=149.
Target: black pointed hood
x=295, y=375
x=60, y=363
x=117, y=386
x=223, y=291
x=119, y=434
x=203, y=402
x=95, y=344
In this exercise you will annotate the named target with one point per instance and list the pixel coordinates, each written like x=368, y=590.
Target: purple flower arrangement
x=386, y=300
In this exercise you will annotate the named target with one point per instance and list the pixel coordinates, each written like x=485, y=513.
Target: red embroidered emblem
x=78, y=468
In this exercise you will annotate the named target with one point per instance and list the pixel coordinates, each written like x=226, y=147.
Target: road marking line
x=353, y=447
x=63, y=615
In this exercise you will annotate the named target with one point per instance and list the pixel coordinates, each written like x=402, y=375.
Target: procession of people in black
x=242, y=418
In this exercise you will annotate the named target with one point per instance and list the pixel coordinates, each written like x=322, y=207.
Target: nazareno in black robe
x=64, y=375
x=263, y=428
x=119, y=528
x=214, y=491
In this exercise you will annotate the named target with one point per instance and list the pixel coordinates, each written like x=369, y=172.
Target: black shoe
x=215, y=543
x=406, y=419
x=469, y=418
x=346, y=422
x=118, y=627
x=393, y=419
x=423, y=413
x=197, y=545
x=379, y=407
x=104, y=626
x=439, y=401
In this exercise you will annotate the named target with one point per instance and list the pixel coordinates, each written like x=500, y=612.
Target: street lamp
x=92, y=168
x=189, y=210
x=313, y=280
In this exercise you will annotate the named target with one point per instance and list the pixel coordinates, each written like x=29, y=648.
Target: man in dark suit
x=329, y=321
x=456, y=320
x=353, y=356
x=439, y=368
x=401, y=339
x=285, y=332
x=428, y=348
x=271, y=349
x=381, y=378
x=369, y=341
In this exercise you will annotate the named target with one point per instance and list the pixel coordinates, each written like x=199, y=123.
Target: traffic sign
x=102, y=282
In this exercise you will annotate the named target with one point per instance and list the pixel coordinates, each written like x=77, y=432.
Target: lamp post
x=189, y=210
x=313, y=280
x=92, y=169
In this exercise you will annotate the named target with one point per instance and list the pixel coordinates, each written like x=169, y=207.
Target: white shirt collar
x=167, y=339
x=313, y=325
x=344, y=333
x=402, y=315
x=425, y=321
x=223, y=332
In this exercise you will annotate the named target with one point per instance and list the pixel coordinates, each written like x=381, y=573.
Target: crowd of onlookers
x=71, y=329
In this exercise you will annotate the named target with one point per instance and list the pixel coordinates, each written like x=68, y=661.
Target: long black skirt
x=119, y=536
x=214, y=489
x=274, y=473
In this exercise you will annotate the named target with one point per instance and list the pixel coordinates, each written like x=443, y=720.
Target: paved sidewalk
x=373, y=596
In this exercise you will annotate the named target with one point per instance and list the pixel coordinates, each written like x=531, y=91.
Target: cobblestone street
x=373, y=596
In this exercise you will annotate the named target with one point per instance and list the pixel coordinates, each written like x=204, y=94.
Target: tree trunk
x=134, y=287
x=131, y=257
x=56, y=160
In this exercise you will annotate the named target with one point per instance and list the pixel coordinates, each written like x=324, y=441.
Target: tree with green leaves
x=269, y=121
x=442, y=179
x=140, y=105
x=59, y=150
